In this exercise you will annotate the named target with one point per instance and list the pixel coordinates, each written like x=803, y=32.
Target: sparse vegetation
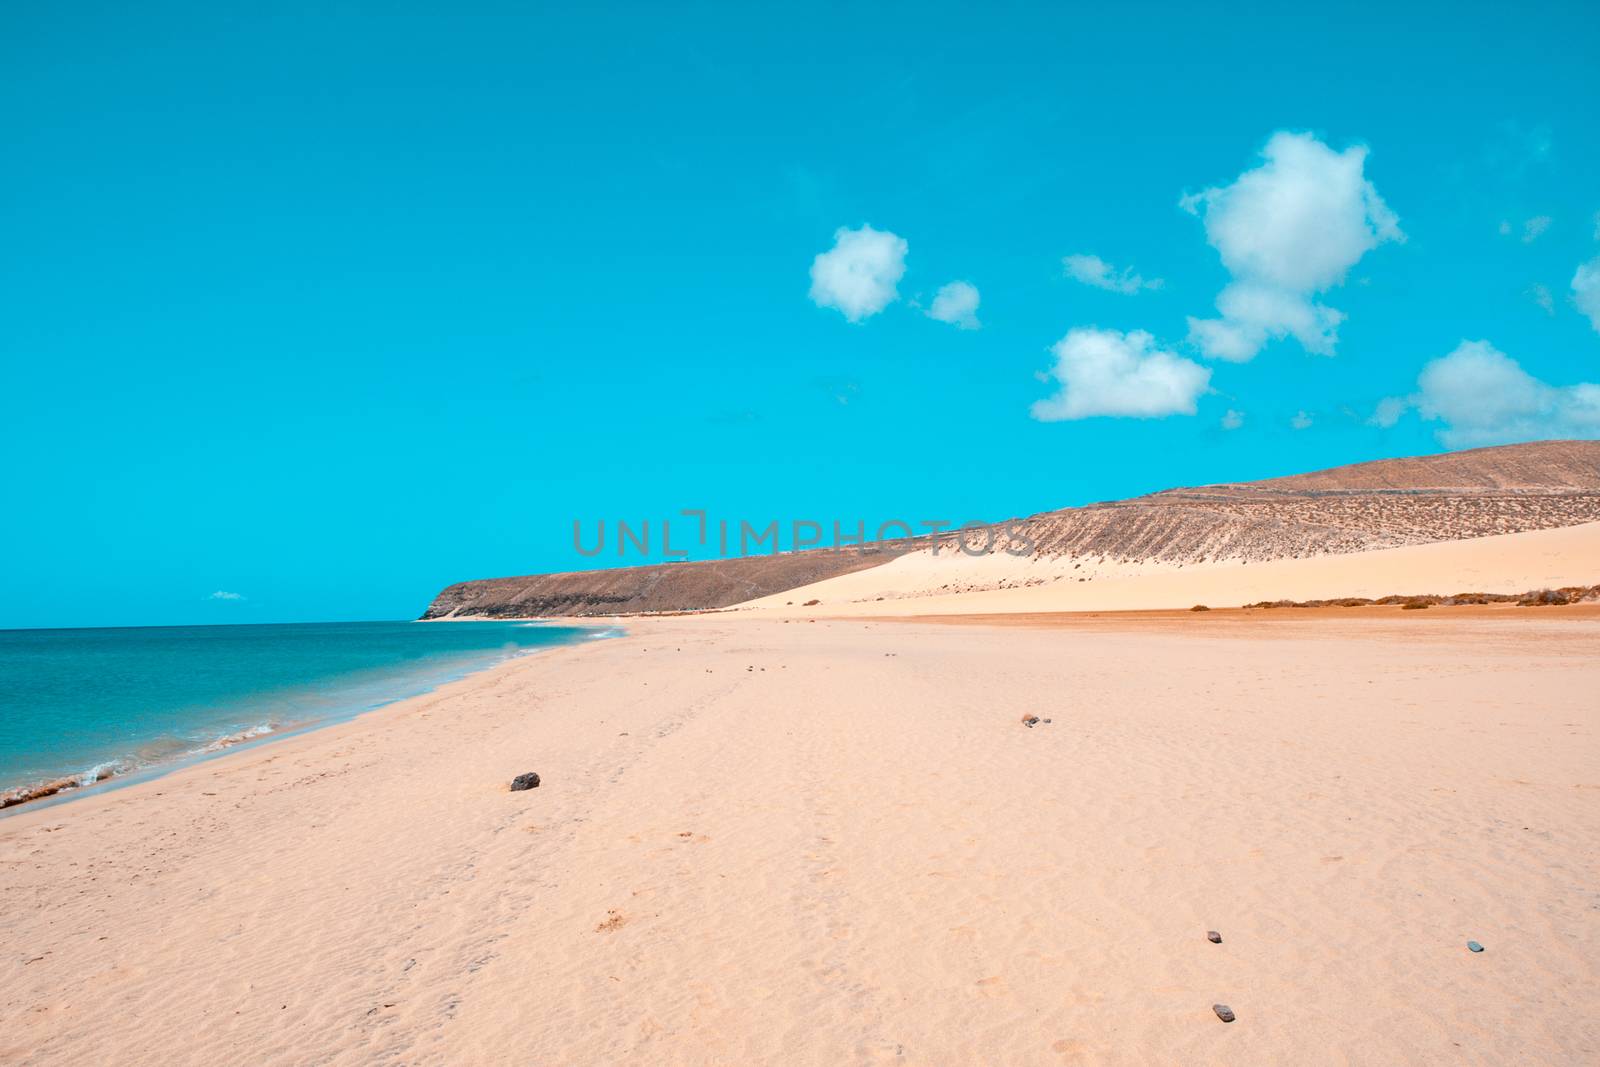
x=1571, y=594
x=811, y=603
x=1199, y=607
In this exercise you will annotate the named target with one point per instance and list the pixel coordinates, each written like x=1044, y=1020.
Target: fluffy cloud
x=956, y=303
x=1104, y=372
x=1586, y=290
x=1484, y=397
x=858, y=275
x=1232, y=420
x=1092, y=270
x=223, y=594
x=1288, y=230
x=1301, y=421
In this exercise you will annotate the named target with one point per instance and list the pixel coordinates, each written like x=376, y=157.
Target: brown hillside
x=1539, y=465
x=1384, y=504
x=654, y=588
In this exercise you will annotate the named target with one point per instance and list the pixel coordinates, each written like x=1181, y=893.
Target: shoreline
x=121, y=772
x=67, y=788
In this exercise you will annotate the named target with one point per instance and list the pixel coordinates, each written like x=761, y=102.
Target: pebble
x=1473, y=946
x=1213, y=937
x=524, y=781
x=1224, y=1012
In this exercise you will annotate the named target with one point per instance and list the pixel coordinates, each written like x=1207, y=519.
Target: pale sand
x=854, y=853
x=952, y=582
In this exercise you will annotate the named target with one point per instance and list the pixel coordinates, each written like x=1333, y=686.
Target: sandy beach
x=765, y=841
x=634, y=535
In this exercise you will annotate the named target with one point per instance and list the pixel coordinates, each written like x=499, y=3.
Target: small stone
x=1224, y=1012
x=1030, y=721
x=1047, y=720
x=1213, y=937
x=1473, y=946
x=524, y=781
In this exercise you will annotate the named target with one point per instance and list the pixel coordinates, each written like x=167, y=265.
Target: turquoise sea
x=81, y=707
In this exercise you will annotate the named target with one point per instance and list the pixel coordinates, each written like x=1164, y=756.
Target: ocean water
x=81, y=707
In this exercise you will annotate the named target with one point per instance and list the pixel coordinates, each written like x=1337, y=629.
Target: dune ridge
x=953, y=583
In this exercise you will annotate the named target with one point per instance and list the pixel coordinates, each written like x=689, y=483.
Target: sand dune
x=770, y=842
x=923, y=583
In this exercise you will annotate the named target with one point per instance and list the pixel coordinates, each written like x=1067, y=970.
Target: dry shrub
x=1568, y=594
x=1199, y=607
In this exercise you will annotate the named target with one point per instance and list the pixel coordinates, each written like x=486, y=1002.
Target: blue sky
x=330, y=307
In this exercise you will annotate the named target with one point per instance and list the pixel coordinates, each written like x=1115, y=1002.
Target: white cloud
x=1301, y=421
x=858, y=275
x=222, y=594
x=1389, y=410
x=1224, y=340
x=1542, y=296
x=1232, y=420
x=956, y=303
x=1251, y=313
x=1104, y=372
x=1586, y=290
x=1287, y=230
x=1092, y=270
x=1484, y=397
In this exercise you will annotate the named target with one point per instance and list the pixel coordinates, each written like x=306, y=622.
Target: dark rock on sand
x=524, y=781
x=1224, y=1012
x=1213, y=937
